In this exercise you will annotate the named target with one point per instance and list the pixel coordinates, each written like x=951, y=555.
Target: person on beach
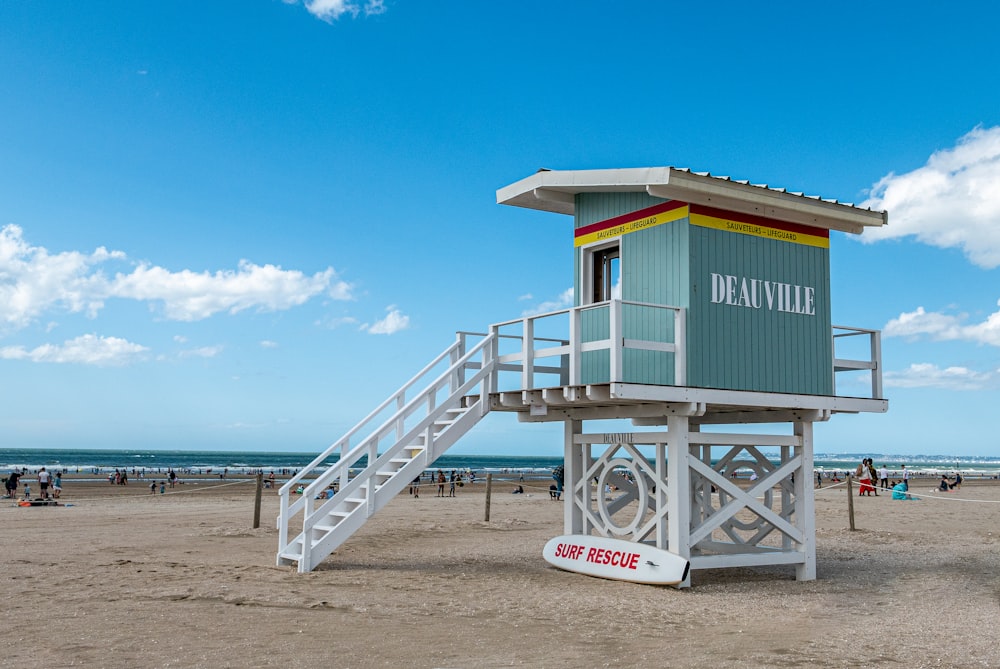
x=558, y=473
x=864, y=479
x=152, y=488
x=883, y=477
x=172, y=476
x=874, y=474
x=440, y=482
x=57, y=486
x=943, y=483
x=43, y=483
x=415, y=487
x=12, y=484
x=906, y=477
x=957, y=483
x=451, y=484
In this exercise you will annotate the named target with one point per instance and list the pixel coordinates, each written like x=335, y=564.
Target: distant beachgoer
x=173, y=477
x=819, y=479
x=874, y=474
x=558, y=474
x=864, y=479
x=57, y=486
x=519, y=490
x=958, y=481
x=415, y=487
x=906, y=477
x=900, y=491
x=152, y=488
x=451, y=483
x=12, y=484
x=943, y=484
x=883, y=477
x=43, y=483
x=440, y=482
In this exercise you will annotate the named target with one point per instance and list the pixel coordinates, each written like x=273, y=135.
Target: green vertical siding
x=594, y=207
x=728, y=347
x=742, y=348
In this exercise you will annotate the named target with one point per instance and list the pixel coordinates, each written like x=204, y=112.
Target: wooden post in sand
x=256, y=500
x=850, y=501
x=489, y=490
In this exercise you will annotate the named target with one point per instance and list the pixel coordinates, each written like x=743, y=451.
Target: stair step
x=324, y=528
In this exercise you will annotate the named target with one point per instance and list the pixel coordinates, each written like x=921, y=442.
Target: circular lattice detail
x=641, y=491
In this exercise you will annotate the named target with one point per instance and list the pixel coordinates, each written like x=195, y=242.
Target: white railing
x=569, y=351
x=397, y=430
x=853, y=338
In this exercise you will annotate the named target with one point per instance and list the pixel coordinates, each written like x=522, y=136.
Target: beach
x=125, y=578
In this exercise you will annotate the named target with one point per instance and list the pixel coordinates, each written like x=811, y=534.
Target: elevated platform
x=653, y=404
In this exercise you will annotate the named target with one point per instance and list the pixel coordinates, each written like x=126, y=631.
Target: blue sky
x=243, y=224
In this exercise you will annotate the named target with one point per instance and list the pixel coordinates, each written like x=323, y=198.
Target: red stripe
x=629, y=217
x=759, y=220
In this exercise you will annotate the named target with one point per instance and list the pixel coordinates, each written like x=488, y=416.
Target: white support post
x=576, y=347
x=679, y=490
x=680, y=348
x=574, y=466
x=876, y=344
x=805, y=518
x=786, y=497
x=528, y=355
x=616, y=337
x=662, y=503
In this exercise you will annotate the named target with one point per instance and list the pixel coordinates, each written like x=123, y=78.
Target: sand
x=127, y=579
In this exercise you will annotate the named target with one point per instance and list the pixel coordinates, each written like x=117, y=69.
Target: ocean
x=235, y=462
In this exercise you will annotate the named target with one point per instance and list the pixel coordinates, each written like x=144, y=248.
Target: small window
x=607, y=273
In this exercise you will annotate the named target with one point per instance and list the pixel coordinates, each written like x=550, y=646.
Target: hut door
x=607, y=273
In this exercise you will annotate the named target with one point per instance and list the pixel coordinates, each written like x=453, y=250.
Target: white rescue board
x=616, y=559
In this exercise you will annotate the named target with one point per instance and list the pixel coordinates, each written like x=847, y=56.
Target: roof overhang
x=555, y=191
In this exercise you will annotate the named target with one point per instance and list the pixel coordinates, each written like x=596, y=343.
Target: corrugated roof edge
x=554, y=191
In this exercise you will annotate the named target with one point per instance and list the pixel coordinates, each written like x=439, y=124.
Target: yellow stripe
x=633, y=226
x=755, y=230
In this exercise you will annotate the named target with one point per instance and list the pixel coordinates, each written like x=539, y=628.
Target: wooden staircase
x=387, y=456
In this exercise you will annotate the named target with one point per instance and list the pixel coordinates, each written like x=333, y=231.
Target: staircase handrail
x=400, y=445
x=318, y=460
x=388, y=426
x=287, y=511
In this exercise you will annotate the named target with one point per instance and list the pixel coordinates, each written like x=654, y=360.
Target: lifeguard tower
x=699, y=301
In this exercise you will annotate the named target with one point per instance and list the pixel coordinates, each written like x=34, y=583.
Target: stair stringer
x=326, y=526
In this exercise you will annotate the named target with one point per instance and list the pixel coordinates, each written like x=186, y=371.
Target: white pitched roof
x=555, y=191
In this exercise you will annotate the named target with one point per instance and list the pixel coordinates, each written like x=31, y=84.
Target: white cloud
x=34, y=282
x=334, y=323
x=564, y=301
x=193, y=296
x=944, y=327
x=87, y=349
x=331, y=10
x=393, y=322
x=267, y=343
x=952, y=201
x=926, y=375
x=202, y=352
